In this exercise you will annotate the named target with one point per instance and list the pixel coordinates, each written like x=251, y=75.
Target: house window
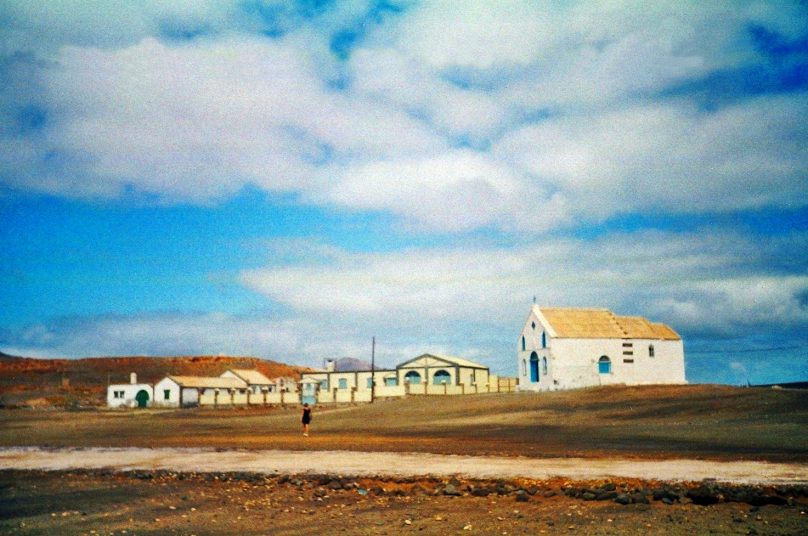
x=534, y=367
x=533, y=325
x=628, y=361
x=543, y=340
x=343, y=383
x=370, y=383
x=412, y=377
x=604, y=365
x=544, y=365
x=523, y=343
x=324, y=385
x=441, y=377
x=650, y=350
x=524, y=367
x=118, y=394
x=167, y=394
x=391, y=381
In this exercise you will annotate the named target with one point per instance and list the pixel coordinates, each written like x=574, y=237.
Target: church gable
x=432, y=360
x=565, y=348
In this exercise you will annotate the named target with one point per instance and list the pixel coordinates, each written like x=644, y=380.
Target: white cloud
x=198, y=120
x=670, y=157
x=456, y=190
x=699, y=283
x=112, y=23
x=469, y=302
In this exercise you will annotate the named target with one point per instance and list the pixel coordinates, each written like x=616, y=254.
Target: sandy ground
x=392, y=464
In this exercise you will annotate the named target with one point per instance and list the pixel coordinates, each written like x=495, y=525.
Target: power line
x=748, y=350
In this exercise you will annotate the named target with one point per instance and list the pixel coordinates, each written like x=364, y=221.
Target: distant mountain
x=350, y=364
x=7, y=356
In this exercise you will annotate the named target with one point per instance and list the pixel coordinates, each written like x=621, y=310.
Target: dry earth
x=485, y=464
x=399, y=464
x=152, y=503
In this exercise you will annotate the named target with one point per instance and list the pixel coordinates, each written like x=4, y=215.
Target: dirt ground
x=650, y=422
x=493, y=482
x=401, y=464
x=145, y=503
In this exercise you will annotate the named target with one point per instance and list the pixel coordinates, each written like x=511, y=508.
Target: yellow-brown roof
x=581, y=323
x=209, y=382
x=252, y=376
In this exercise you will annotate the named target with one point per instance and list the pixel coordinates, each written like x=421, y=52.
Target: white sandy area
x=360, y=464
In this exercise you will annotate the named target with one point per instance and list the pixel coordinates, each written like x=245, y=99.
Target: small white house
x=568, y=348
x=130, y=395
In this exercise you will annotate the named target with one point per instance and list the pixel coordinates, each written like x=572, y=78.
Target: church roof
x=583, y=323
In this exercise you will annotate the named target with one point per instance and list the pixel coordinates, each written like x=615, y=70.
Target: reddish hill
x=71, y=382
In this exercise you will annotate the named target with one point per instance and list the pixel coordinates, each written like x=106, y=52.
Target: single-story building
x=130, y=395
x=184, y=391
x=567, y=348
x=258, y=383
x=427, y=374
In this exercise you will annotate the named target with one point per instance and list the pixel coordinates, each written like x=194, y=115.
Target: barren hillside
x=66, y=382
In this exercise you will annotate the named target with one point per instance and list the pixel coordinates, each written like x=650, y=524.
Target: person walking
x=306, y=419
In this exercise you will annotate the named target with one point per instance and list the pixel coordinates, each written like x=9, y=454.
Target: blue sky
x=289, y=179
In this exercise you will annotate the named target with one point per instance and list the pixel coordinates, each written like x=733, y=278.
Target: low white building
x=568, y=348
x=427, y=374
x=184, y=391
x=257, y=382
x=130, y=395
x=285, y=384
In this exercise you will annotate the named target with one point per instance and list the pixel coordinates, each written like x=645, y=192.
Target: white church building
x=568, y=348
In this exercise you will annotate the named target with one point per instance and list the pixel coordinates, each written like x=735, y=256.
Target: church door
x=534, y=367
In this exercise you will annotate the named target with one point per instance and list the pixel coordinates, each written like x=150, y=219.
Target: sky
x=289, y=179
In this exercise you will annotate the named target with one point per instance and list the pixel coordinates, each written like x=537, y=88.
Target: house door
x=142, y=398
x=534, y=367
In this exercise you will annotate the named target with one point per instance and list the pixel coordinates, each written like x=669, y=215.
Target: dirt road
x=399, y=464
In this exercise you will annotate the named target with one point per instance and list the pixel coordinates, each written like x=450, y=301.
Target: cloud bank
x=578, y=112
x=513, y=140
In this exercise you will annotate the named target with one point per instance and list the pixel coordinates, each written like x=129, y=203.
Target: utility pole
x=373, y=370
